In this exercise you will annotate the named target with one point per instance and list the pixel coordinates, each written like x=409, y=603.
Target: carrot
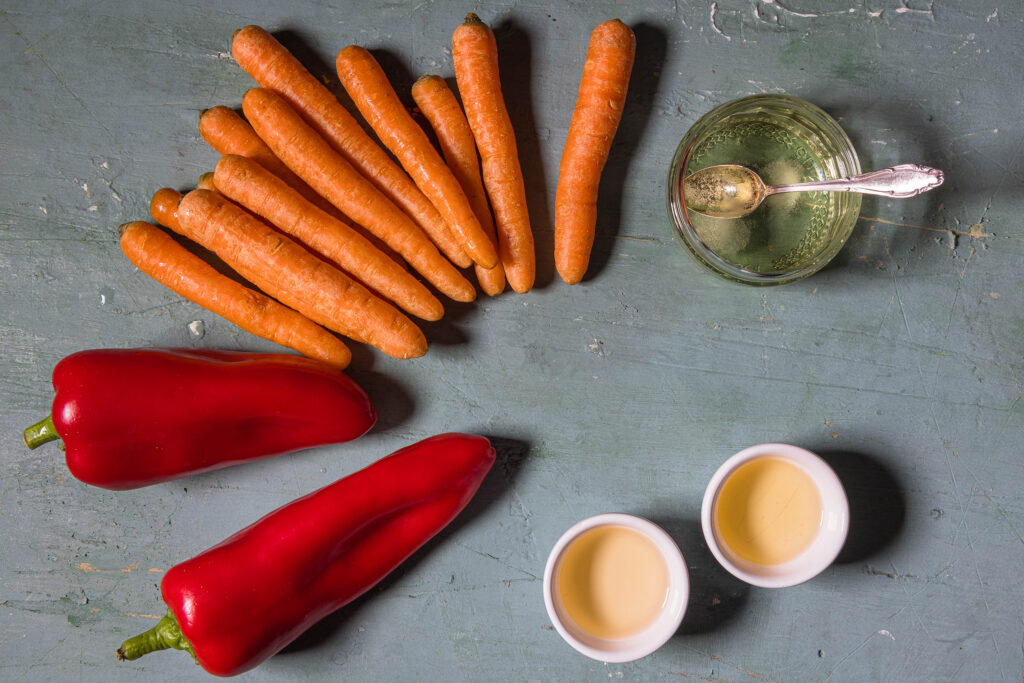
x=257, y=189
x=378, y=102
x=599, y=105
x=437, y=102
x=206, y=182
x=327, y=172
x=156, y=254
x=298, y=279
x=475, y=55
x=164, y=208
x=228, y=133
x=272, y=66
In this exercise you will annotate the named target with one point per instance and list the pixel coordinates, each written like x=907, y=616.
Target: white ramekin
x=651, y=638
x=835, y=519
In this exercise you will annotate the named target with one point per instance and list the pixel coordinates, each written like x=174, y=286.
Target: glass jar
x=790, y=236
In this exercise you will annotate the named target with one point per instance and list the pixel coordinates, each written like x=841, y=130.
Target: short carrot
x=250, y=185
x=164, y=208
x=272, y=66
x=372, y=93
x=327, y=172
x=288, y=272
x=475, y=55
x=228, y=133
x=599, y=104
x=438, y=104
x=156, y=254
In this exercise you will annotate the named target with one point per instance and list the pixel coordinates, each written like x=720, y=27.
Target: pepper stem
x=162, y=636
x=40, y=432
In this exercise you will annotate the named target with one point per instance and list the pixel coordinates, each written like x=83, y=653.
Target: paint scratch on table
x=714, y=24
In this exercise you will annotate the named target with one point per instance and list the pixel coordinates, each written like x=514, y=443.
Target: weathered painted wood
x=901, y=362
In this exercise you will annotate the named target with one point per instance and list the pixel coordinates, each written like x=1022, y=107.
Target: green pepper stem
x=162, y=636
x=41, y=432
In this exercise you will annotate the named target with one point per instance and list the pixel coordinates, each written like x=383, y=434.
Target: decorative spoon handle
x=905, y=180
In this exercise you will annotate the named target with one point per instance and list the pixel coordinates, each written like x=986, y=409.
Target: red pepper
x=131, y=418
x=241, y=601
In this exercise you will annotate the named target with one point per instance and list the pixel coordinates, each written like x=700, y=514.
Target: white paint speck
x=714, y=11
x=883, y=632
x=197, y=328
x=876, y=15
x=994, y=15
x=43, y=209
x=104, y=164
x=103, y=299
x=93, y=208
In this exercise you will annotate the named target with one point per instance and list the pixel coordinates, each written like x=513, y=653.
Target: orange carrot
x=156, y=254
x=257, y=189
x=327, y=172
x=228, y=133
x=298, y=279
x=437, y=102
x=206, y=182
x=378, y=102
x=164, y=208
x=475, y=55
x=599, y=105
x=272, y=66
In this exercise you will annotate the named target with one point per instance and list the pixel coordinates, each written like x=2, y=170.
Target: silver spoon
x=729, y=191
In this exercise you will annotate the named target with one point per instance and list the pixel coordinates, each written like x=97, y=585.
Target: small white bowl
x=823, y=550
x=614, y=650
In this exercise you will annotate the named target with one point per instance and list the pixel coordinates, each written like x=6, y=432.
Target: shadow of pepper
x=511, y=454
x=651, y=50
x=877, y=504
x=716, y=596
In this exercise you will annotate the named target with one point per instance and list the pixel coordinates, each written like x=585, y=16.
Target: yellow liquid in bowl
x=612, y=582
x=768, y=511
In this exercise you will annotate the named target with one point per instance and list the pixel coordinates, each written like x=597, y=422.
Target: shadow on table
x=908, y=137
x=877, y=503
x=511, y=455
x=716, y=596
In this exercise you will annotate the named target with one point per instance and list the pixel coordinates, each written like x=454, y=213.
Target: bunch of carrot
x=331, y=232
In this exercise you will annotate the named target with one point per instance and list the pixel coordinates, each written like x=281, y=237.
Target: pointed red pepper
x=134, y=417
x=241, y=601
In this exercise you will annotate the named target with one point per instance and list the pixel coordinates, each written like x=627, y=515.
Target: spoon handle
x=905, y=180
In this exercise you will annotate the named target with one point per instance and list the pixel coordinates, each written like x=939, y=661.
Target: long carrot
x=599, y=105
x=228, y=133
x=257, y=189
x=272, y=66
x=378, y=102
x=164, y=208
x=156, y=254
x=437, y=102
x=475, y=55
x=298, y=279
x=327, y=172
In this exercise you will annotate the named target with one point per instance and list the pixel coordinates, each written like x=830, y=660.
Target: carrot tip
x=472, y=18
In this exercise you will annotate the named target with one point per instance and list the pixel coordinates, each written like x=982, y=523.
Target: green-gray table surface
x=901, y=362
